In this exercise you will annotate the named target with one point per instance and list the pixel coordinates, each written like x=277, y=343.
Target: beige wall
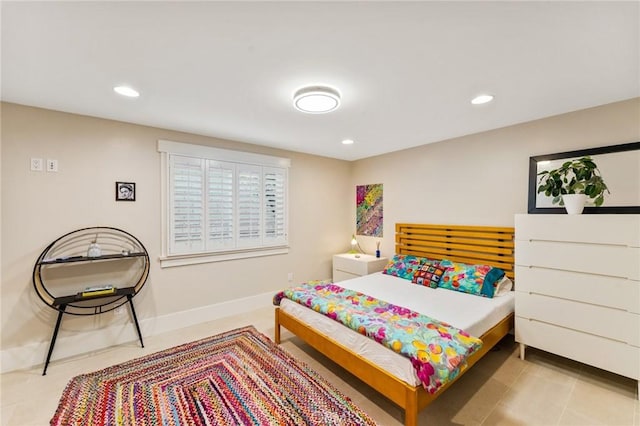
x=92, y=154
x=477, y=179
x=481, y=179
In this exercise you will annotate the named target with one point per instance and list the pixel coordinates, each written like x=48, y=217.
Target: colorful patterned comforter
x=437, y=350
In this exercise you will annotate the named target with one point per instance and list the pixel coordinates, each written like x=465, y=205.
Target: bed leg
x=410, y=418
x=522, y=348
x=411, y=409
x=276, y=333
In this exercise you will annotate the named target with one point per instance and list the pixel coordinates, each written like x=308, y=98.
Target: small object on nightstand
x=378, y=249
x=355, y=246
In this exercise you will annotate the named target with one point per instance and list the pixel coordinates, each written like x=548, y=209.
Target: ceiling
x=406, y=70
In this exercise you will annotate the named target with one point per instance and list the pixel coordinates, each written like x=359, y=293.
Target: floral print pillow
x=403, y=266
x=473, y=279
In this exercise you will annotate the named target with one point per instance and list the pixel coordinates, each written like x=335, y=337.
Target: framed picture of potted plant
x=585, y=172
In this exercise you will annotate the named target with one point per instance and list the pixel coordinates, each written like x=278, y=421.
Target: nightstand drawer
x=339, y=275
x=347, y=265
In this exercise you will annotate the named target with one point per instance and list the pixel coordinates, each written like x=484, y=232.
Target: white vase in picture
x=574, y=203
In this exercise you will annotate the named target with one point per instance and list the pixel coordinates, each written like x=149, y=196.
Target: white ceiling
x=406, y=70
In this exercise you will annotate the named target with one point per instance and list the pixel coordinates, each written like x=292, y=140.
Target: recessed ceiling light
x=347, y=142
x=482, y=99
x=126, y=91
x=316, y=99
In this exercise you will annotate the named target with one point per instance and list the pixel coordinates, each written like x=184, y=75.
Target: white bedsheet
x=474, y=314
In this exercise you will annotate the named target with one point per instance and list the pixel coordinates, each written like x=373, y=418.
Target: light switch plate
x=36, y=164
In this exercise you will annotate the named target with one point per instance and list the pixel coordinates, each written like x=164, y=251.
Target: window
x=221, y=204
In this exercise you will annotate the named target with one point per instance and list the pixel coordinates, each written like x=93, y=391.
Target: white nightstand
x=348, y=265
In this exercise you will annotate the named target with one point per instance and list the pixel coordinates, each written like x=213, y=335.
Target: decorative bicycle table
x=90, y=271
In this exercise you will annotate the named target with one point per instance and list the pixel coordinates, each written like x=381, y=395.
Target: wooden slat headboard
x=485, y=245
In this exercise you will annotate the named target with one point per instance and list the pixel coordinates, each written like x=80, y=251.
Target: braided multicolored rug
x=236, y=378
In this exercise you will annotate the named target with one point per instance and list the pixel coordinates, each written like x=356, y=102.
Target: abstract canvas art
x=369, y=210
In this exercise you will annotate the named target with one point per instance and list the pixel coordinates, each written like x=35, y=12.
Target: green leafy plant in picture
x=580, y=176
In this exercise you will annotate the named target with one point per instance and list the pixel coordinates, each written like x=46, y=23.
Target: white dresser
x=578, y=288
x=348, y=265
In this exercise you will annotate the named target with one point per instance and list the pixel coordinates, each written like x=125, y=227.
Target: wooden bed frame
x=469, y=244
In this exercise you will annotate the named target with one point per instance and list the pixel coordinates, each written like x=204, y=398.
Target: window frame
x=167, y=148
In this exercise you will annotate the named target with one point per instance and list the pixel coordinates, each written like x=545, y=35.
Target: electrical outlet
x=290, y=276
x=36, y=164
x=52, y=165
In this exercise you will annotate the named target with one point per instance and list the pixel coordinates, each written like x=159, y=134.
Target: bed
x=469, y=244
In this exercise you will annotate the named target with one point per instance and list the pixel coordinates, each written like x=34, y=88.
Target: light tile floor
x=499, y=390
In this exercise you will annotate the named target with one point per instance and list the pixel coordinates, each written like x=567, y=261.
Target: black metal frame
x=97, y=304
x=533, y=180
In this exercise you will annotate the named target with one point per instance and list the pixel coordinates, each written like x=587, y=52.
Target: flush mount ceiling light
x=481, y=99
x=126, y=91
x=316, y=99
x=347, y=142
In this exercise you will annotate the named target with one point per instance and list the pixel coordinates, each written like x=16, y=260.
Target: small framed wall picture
x=125, y=191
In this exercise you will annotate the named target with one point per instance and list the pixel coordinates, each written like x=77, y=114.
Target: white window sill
x=194, y=259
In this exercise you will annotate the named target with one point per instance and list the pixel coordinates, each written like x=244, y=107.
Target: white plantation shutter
x=222, y=204
x=220, y=228
x=249, y=205
x=187, y=204
x=275, y=224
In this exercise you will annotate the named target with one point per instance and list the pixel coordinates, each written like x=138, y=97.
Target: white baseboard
x=34, y=354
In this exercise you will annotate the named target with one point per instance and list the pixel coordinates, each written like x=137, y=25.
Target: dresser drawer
x=600, y=352
x=593, y=229
x=614, y=292
x=611, y=260
x=614, y=324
